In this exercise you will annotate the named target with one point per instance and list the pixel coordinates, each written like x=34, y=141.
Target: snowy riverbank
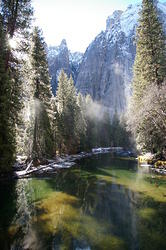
x=24, y=170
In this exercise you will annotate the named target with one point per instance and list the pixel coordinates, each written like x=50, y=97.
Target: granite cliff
x=105, y=70
x=59, y=57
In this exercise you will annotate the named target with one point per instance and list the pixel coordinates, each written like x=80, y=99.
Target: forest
x=77, y=172
x=36, y=124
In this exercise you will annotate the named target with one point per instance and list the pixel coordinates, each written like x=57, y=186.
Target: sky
x=77, y=21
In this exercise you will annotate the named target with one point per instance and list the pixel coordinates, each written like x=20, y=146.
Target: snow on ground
x=66, y=161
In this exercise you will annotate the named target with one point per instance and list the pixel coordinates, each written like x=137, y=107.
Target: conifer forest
x=83, y=136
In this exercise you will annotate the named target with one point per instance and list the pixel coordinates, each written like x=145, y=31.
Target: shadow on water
x=7, y=211
x=103, y=203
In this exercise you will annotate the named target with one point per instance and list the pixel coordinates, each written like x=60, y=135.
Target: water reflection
x=7, y=212
x=103, y=204
x=21, y=230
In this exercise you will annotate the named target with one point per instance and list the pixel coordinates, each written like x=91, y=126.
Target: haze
x=77, y=21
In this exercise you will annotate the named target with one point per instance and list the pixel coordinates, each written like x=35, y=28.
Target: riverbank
x=52, y=166
x=149, y=160
x=159, y=167
x=49, y=167
x=82, y=204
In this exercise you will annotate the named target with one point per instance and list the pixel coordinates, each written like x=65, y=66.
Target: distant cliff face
x=59, y=57
x=105, y=71
x=107, y=66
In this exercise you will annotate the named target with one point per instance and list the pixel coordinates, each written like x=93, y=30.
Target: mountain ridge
x=107, y=67
x=60, y=57
x=105, y=70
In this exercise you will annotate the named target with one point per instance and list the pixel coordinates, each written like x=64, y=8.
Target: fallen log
x=28, y=167
x=44, y=169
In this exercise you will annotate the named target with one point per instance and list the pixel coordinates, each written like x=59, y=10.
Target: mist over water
x=96, y=111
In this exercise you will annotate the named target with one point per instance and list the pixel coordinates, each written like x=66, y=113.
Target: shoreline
x=156, y=170
x=157, y=166
x=52, y=166
x=21, y=170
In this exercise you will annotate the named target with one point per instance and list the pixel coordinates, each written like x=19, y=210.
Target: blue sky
x=78, y=21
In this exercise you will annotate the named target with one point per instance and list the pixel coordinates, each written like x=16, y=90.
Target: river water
x=103, y=203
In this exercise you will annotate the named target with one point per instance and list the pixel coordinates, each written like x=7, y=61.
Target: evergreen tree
x=91, y=135
x=120, y=136
x=42, y=135
x=61, y=103
x=105, y=130
x=97, y=123
x=14, y=18
x=150, y=61
x=24, y=126
x=149, y=70
x=7, y=143
x=82, y=124
x=68, y=115
x=115, y=130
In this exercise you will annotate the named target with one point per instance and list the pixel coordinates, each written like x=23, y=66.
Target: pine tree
x=14, y=18
x=105, y=130
x=150, y=61
x=7, y=143
x=74, y=112
x=61, y=103
x=149, y=70
x=54, y=124
x=68, y=115
x=91, y=135
x=42, y=134
x=115, y=130
x=82, y=124
x=23, y=139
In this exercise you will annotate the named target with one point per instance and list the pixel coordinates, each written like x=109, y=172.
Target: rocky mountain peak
x=105, y=70
x=63, y=44
x=111, y=20
x=59, y=57
x=107, y=67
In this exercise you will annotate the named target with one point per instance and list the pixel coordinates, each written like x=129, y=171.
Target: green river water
x=102, y=203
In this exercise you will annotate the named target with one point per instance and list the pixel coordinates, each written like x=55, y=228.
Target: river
x=103, y=203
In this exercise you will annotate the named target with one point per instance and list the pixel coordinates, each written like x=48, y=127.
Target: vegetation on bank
x=39, y=125
x=147, y=117
x=33, y=122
